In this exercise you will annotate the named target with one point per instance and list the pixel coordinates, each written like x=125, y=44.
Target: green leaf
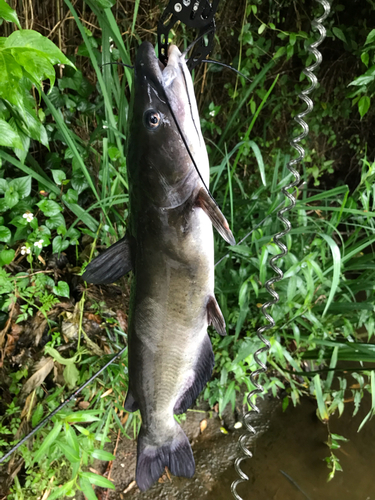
x=365, y=58
x=8, y=136
x=36, y=64
x=83, y=416
x=71, y=437
x=370, y=37
x=71, y=375
x=71, y=196
x=87, y=489
x=57, y=356
x=364, y=105
x=11, y=197
x=5, y=234
x=259, y=158
x=104, y=4
x=82, y=430
x=59, y=245
x=71, y=454
x=365, y=79
x=63, y=490
x=227, y=397
x=337, y=32
x=336, y=256
x=97, y=480
x=280, y=52
x=7, y=13
x=49, y=207
x=102, y=455
x=3, y=186
x=6, y=256
x=30, y=122
x=58, y=176
x=292, y=38
x=22, y=185
x=62, y=289
x=73, y=233
x=319, y=398
x=79, y=182
x=37, y=415
x=261, y=28
x=29, y=39
x=10, y=76
x=47, y=442
x=289, y=51
x=55, y=221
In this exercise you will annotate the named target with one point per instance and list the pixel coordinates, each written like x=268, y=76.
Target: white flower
x=61, y=66
x=212, y=113
x=39, y=244
x=111, y=48
x=28, y=216
x=105, y=126
x=25, y=250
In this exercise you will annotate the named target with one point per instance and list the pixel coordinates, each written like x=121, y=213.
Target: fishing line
x=219, y=63
x=259, y=389
x=295, y=484
x=191, y=45
x=187, y=148
x=63, y=404
x=118, y=64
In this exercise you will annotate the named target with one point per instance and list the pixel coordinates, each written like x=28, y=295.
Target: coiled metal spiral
x=304, y=95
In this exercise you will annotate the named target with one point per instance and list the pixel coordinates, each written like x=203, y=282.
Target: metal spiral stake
x=304, y=95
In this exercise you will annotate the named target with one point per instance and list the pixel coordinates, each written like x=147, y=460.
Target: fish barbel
x=169, y=247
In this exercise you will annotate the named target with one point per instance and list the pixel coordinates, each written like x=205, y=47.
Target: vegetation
x=64, y=193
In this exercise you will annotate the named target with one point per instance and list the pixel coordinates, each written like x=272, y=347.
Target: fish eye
x=151, y=119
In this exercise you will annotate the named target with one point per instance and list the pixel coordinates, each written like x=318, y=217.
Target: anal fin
x=216, y=216
x=110, y=265
x=215, y=316
x=195, y=383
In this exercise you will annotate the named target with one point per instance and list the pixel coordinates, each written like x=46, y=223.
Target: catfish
x=169, y=247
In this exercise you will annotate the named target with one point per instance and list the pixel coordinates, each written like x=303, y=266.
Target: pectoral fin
x=216, y=216
x=109, y=266
x=215, y=316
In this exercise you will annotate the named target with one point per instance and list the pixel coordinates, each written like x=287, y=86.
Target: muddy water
x=288, y=461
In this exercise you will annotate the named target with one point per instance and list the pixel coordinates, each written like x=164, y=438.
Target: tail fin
x=176, y=454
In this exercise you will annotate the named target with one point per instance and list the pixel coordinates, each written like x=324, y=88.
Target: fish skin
x=172, y=255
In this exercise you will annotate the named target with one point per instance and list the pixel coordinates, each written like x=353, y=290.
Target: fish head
x=165, y=136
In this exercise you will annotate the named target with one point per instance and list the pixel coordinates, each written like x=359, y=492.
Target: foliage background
x=63, y=162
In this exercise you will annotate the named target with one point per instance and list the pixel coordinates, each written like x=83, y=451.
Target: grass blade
x=336, y=256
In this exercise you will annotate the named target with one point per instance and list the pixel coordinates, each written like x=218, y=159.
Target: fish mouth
x=149, y=67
